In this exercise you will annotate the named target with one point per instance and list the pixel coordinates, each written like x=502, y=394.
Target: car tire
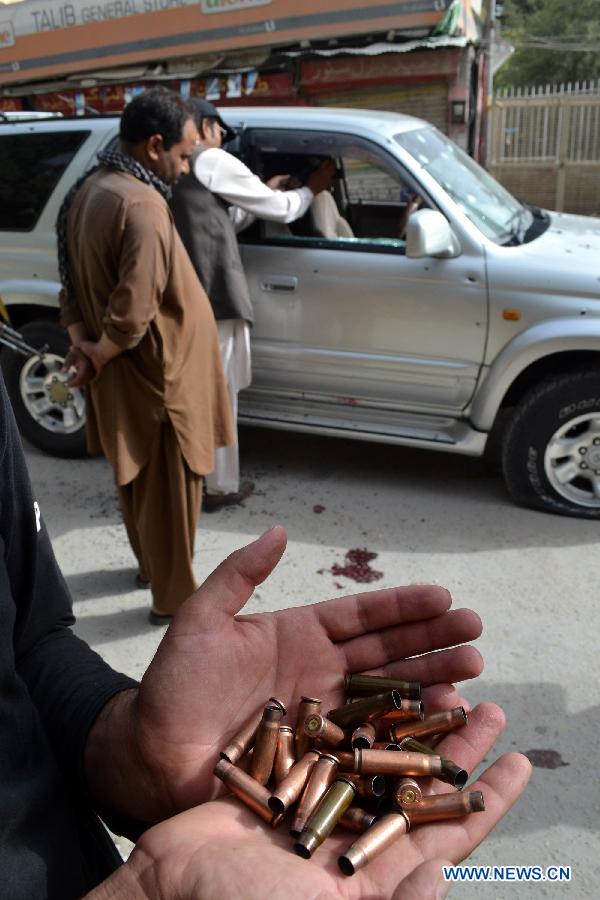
x=551, y=448
x=49, y=415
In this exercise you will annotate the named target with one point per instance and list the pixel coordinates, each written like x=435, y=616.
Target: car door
x=353, y=320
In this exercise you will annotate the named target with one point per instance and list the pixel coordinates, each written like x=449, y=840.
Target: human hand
x=278, y=182
x=322, y=177
x=90, y=350
x=215, y=669
x=221, y=849
x=80, y=368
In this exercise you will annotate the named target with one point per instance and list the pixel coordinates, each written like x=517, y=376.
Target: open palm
x=220, y=849
x=215, y=669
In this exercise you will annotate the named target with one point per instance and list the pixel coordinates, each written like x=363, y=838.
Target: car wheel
x=48, y=413
x=551, y=452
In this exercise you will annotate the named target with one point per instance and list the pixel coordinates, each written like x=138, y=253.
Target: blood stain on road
x=357, y=566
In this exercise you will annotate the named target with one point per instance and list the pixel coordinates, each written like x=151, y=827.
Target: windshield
x=485, y=202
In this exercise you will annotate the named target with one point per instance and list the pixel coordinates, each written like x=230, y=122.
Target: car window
x=367, y=207
x=498, y=215
x=31, y=166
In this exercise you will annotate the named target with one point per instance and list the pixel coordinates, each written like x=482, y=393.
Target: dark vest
x=209, y=238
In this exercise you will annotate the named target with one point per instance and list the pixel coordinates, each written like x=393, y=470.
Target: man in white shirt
x=219, y=198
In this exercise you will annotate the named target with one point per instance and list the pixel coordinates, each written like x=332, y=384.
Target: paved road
x=533, y=578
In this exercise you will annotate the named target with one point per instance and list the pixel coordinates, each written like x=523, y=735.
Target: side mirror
x=429, y=234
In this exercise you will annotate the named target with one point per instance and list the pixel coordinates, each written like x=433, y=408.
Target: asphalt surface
x=533, y=578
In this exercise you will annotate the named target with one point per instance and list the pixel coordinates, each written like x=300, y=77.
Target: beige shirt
x=133, y=280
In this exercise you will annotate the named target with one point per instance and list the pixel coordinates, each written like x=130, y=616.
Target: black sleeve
x=67, y=681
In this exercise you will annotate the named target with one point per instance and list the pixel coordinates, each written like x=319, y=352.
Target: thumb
x=426, y=882
x=232, y=583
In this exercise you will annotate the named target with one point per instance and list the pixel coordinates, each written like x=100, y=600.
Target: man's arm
x=225, y=175
x=69, y=684
x=143, y=267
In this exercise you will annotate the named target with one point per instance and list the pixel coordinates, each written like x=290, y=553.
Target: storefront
x=420, y=57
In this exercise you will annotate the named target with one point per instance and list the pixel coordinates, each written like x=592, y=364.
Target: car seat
x=325, y=218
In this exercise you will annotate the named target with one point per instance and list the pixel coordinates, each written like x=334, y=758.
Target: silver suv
x=418, y=304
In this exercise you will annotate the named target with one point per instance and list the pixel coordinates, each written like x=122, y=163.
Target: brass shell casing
x=320, y=778
x=379, y=836
x=382, y=762
x=265, y=744
x=242, y=742
x=249, y=791
x=364, y=710
x=307, y=707
x=326, y=816
x=365, y=685
x=285, y=756
x=363, y=737
x=345, y=759
x=357, y=819
x=407, y=792
x=451, y=773
x=369, y=785
x=409, y=710
x=288, y=791
x=439, y=723
x=317, y=726
x=445, y=806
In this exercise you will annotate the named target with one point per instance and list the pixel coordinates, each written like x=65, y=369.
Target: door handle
x=285, y=284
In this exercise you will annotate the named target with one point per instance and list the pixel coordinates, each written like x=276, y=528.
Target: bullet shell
x=265, y=744
x=451, y=773
x=293, y=784
x=321, y=776
x=357, y=819
x=382, y=762
x=363, y=737
x=242, y=742
x=332, y=807
x=369, y=785
x=436, y=724
x=409, y=710
x=352, y=714
x=317, y=726
x=407, y=791
x=249, y=791
x=345, y=759
x=308, y=706
x=381, y=834
x=366, y=685
x=285, y=756
x=445, y=806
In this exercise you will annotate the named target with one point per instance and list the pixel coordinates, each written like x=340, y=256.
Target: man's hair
x=158, y=111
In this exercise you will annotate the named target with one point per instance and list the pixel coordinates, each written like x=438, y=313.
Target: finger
x=231, y=584
x=455, y=664
x=378, y=648
x=426, y=882
x=442, y=697
x=501, y=785
x=348, y=617
x=467, y=746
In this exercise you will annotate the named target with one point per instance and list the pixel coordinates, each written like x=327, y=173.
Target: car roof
x=321, y=118
x=361, y=121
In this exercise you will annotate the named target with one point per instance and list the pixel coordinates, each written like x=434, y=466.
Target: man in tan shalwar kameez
x=158, y=406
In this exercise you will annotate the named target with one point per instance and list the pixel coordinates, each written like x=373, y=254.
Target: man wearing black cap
x=220, y=197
